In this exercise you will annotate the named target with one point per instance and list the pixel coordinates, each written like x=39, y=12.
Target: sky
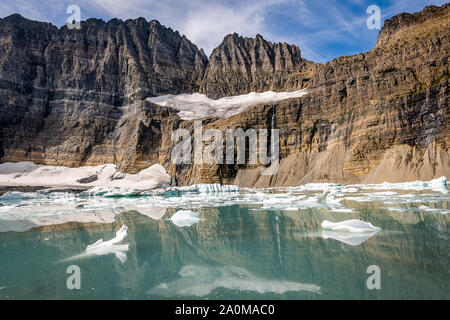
x=323, y=29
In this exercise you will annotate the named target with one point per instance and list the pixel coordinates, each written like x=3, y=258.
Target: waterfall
x=272, y=135
x=274, y=150
x=273, y=118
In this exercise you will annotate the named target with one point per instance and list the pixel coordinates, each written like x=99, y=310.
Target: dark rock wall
x=240, y=65
x=74, y=97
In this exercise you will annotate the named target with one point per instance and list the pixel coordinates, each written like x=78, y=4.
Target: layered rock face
x=240, y=65
x=74, y=97
x=373, y=117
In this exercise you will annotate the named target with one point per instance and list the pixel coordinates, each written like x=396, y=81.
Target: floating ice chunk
x=353, y=239
x=428, y=209
x=331, y=200
x=396, y=209
x=111, y=192
x=342, y=210
x=5, y=208
x=385, y=193
x=185, y=218
x=316, y=187
x=353, y=225
x=439, y=185
x=95, y=192
x=16, y=197
x=216, y=188
x=196, y=105
x=120, y=192
x=101, y=248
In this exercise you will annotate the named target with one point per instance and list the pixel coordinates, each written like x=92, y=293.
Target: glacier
x=196, y=106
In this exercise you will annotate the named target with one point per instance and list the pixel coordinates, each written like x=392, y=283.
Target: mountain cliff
x=75, y=97
x=371, y=117
x=71, y=97
x=240, y=65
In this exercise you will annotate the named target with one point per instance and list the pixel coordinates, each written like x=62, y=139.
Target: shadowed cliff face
x=372, y=117
x=74, y=97
x=241, y=65
x=71, y=97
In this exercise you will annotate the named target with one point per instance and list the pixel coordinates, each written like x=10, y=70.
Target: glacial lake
x=235, y=244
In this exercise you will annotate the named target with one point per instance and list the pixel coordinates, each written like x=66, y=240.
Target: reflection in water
x=353, y=225
x=353, y=239
x=238, y=251
x=278, y=241
x=185, y=218
x=200, y=281
x=119, y=250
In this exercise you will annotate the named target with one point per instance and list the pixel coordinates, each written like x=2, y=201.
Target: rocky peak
x=240, y=65
x=15, y=26
x=54, y=81
x=132, y=58
x=403, y=21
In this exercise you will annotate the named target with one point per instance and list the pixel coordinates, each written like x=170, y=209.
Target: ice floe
x=437, y=210
x=106, y=247
x=439, y=185
x=102, y=202
x=199, y=281
x=111, y=192
x=28, y=173
x=185, y=218
x=214, y=188
x=196, y=105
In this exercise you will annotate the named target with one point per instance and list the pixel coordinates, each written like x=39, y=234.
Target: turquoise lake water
x=252, y=244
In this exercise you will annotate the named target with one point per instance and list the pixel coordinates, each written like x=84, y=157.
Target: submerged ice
x=199, y=281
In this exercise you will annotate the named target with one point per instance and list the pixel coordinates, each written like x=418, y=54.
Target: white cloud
x=207, y=27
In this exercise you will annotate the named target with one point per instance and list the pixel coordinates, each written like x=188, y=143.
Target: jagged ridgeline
x=77, y=97
x=241, y=65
